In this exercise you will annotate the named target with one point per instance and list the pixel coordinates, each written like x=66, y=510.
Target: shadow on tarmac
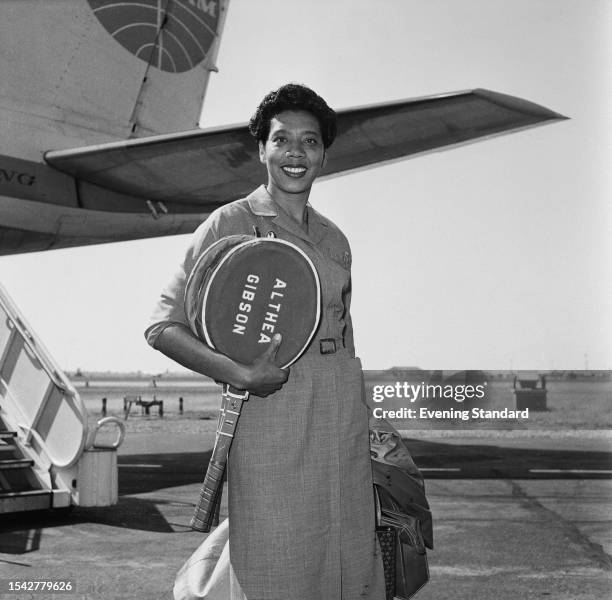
x=20, y=533
x=21, y=541
x=487, y=461
x=137, y=475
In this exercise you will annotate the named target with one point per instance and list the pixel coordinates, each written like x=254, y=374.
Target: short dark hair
x=293, y=96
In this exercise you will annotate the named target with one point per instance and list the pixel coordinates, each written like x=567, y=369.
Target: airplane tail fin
x=109, y=68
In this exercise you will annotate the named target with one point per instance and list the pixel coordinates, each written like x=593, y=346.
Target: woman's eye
x=280, y=140
x=311, y=141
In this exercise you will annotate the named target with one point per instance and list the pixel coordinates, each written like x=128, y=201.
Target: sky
x=495, y=255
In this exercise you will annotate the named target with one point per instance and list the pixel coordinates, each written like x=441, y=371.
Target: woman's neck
x=293, y=204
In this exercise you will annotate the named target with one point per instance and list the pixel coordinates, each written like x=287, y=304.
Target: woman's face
x=293, y=153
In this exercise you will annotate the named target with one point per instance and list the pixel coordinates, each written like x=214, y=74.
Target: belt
x=330, y=345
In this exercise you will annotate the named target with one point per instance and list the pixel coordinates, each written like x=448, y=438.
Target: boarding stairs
x=22, y=485
x=48, y=453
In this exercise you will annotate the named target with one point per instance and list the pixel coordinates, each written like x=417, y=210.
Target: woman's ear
x=262, y=152
x=324, y=161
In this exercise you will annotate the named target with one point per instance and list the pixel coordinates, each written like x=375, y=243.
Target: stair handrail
x=28, y=432
x=35, y=345
x=31, y=432
x=53, y=371
x=93, y=432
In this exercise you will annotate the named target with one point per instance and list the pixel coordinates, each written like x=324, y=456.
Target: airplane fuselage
x=43, y=209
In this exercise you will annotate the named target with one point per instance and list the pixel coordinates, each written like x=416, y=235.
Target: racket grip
x=215, y=519
x=207, y=505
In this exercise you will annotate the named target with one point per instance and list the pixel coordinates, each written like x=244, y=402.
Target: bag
x=403, y=549
x=411, y=571
x=400, y=482
x=387, y=540
x=242, y=290
x=207, y=574
x=403, y=518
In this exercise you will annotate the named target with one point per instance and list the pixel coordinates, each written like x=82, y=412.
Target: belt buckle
x=327, y=346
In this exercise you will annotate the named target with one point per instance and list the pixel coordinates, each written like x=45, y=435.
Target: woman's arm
x=261, y=378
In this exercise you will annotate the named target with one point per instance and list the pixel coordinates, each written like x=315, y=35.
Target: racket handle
x=203, y=517
x=207, y=510
x=215, y=519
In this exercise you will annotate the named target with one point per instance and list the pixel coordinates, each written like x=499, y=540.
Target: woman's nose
x=295, y=150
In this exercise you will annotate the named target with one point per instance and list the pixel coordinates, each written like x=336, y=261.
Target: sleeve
x=170, y=306
x=349, y=342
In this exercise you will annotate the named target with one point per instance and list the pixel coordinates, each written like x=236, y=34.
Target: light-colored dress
x=301, y=511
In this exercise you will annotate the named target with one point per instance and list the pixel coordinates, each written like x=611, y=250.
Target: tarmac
x=515, y=516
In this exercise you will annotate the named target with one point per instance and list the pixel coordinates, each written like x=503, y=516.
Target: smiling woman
x=301, y=506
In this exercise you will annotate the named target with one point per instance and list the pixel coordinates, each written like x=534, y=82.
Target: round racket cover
x=244, y=289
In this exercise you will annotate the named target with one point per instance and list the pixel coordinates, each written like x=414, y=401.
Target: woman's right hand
x=264, y=377
x=261, y=378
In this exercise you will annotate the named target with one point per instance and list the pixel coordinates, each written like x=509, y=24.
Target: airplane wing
x=209, y=167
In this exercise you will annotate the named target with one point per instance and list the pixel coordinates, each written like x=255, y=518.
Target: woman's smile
x=294, y=171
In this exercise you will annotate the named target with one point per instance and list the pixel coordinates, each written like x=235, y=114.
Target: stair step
x=27, y=500
x=19, y=480
x=24, y=493
x=15, y=463
x=7, y=435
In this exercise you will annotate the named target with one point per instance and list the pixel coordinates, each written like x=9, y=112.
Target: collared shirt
x=258, y=214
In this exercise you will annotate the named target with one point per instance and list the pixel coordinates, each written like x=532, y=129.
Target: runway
x=502, y=528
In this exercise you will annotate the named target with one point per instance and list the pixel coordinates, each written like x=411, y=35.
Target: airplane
x=99, y=114
x=99, y=103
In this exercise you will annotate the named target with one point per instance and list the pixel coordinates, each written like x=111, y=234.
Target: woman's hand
x=263, y=376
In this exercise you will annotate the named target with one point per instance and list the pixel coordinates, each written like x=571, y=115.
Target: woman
x=299, y=475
